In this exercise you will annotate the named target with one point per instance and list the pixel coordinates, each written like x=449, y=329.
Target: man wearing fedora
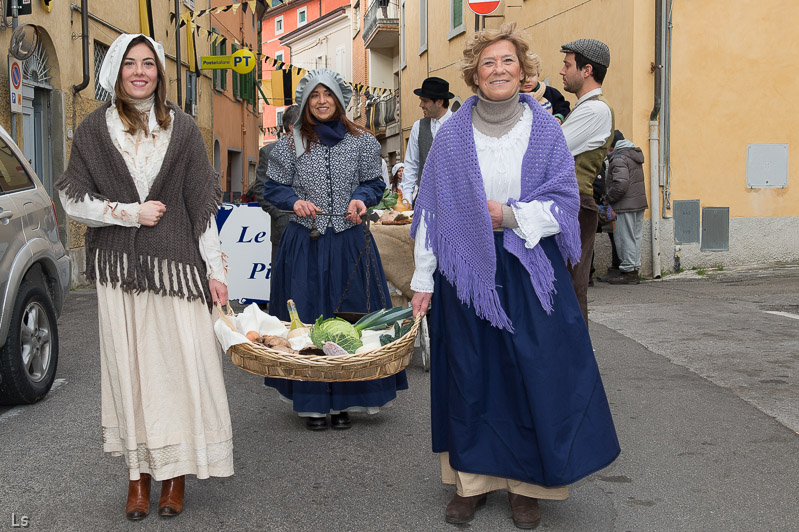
x=589, y=131
x=434, y=97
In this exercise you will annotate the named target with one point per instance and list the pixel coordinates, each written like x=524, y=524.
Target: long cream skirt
x=164, y=405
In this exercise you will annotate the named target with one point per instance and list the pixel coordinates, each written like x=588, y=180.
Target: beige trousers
x=470, y=484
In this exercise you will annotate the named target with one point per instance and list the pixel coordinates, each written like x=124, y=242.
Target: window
x=191, y=93
x=279, y=25
x=99, y=54
x=456, y=26
x=215, y=73
x=321, y=61
x=279, y=56
x=222, y=72
x=356, y=19
x=12, y=174
x=422, y=26
x=279, y=116
x=189, y=3
x=302, y=16
x=236, y=76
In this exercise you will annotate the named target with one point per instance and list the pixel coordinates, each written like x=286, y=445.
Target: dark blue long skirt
x=528, y=406
x=314, y=274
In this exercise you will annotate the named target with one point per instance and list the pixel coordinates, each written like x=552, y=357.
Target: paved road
x=706, y=444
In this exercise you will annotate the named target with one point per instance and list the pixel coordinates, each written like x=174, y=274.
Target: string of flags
x=188, y=17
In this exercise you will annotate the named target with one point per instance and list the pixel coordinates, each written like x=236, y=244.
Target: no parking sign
x=15, y=83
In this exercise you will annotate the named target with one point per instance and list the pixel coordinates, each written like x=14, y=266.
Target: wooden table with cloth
x=395, y=245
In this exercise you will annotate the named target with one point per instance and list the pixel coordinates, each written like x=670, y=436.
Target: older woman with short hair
x=516, y=397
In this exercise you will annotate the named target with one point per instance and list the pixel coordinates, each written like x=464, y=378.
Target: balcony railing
x=382, y=14
x=380, y=114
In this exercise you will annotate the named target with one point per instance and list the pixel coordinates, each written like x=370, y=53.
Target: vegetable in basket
x=388, y=200
x=348, y=336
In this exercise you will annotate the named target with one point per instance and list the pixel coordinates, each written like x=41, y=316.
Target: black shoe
x=316, y=423
x=340, y=421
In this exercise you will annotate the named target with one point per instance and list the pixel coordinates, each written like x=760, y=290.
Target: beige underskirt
x=470, y=484
x=164, y=404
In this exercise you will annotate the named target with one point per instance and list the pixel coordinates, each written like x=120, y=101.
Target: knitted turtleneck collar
x=496, y=118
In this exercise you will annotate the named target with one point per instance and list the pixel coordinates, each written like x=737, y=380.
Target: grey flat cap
x=593, y=50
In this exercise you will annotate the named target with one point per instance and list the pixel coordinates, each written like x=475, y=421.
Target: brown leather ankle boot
x=461, y=510
x=138, y=505
x=171, y=502
x=525, y=510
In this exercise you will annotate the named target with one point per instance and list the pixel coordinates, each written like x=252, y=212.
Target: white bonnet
x=109, y=71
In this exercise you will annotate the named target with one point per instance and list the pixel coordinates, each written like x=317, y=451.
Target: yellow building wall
x=626, y=26
x=733, y=84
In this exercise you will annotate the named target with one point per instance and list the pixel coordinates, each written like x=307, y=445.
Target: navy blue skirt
x=528, y=406
x=314, y=274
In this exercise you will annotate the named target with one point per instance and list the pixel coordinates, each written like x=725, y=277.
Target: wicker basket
x=376, y=364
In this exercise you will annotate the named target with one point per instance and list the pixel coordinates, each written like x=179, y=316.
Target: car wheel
x=29, y=358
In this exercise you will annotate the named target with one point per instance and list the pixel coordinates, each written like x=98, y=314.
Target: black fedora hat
x=435, y=89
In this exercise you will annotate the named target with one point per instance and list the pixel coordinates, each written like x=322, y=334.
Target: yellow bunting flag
x=146, y=18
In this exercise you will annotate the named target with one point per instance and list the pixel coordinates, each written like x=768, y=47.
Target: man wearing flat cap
x=434, y=97
x=589, y=131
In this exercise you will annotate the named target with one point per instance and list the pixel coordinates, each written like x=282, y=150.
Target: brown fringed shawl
x=164, y=259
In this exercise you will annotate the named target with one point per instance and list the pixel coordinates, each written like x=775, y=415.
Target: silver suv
x=34, y=280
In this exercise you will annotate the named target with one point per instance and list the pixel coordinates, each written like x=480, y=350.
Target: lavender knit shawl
x=453, y=204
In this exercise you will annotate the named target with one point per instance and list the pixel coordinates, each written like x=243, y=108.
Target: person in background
x=599, y=191
x=517, y=402
x=396, y=176
x=589, y=131
x=327, y=165
x=434, y=97
x=626, y=192
x=140, y=179
x=279, y=219
x=550, y=98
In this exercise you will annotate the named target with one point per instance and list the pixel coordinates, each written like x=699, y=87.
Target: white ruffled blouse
x=143, y=155
x=500, y=161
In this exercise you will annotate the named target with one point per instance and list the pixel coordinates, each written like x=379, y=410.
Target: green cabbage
x=338, y=331
x=388, y=200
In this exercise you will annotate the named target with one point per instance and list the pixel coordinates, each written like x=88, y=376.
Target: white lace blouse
x=500, y=162
x=143, y=156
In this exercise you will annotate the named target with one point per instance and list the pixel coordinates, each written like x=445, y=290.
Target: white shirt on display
x=587, y=126
x=410, y=176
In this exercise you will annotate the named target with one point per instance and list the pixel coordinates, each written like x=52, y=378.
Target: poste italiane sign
x=241, y=61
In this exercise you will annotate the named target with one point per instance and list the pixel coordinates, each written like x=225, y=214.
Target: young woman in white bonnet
x=140, y=179
x=328, y=165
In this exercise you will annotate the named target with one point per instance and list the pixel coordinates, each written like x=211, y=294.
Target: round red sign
x=483, y=7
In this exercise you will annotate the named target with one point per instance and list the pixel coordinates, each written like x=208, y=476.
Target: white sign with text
x=244, y=232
